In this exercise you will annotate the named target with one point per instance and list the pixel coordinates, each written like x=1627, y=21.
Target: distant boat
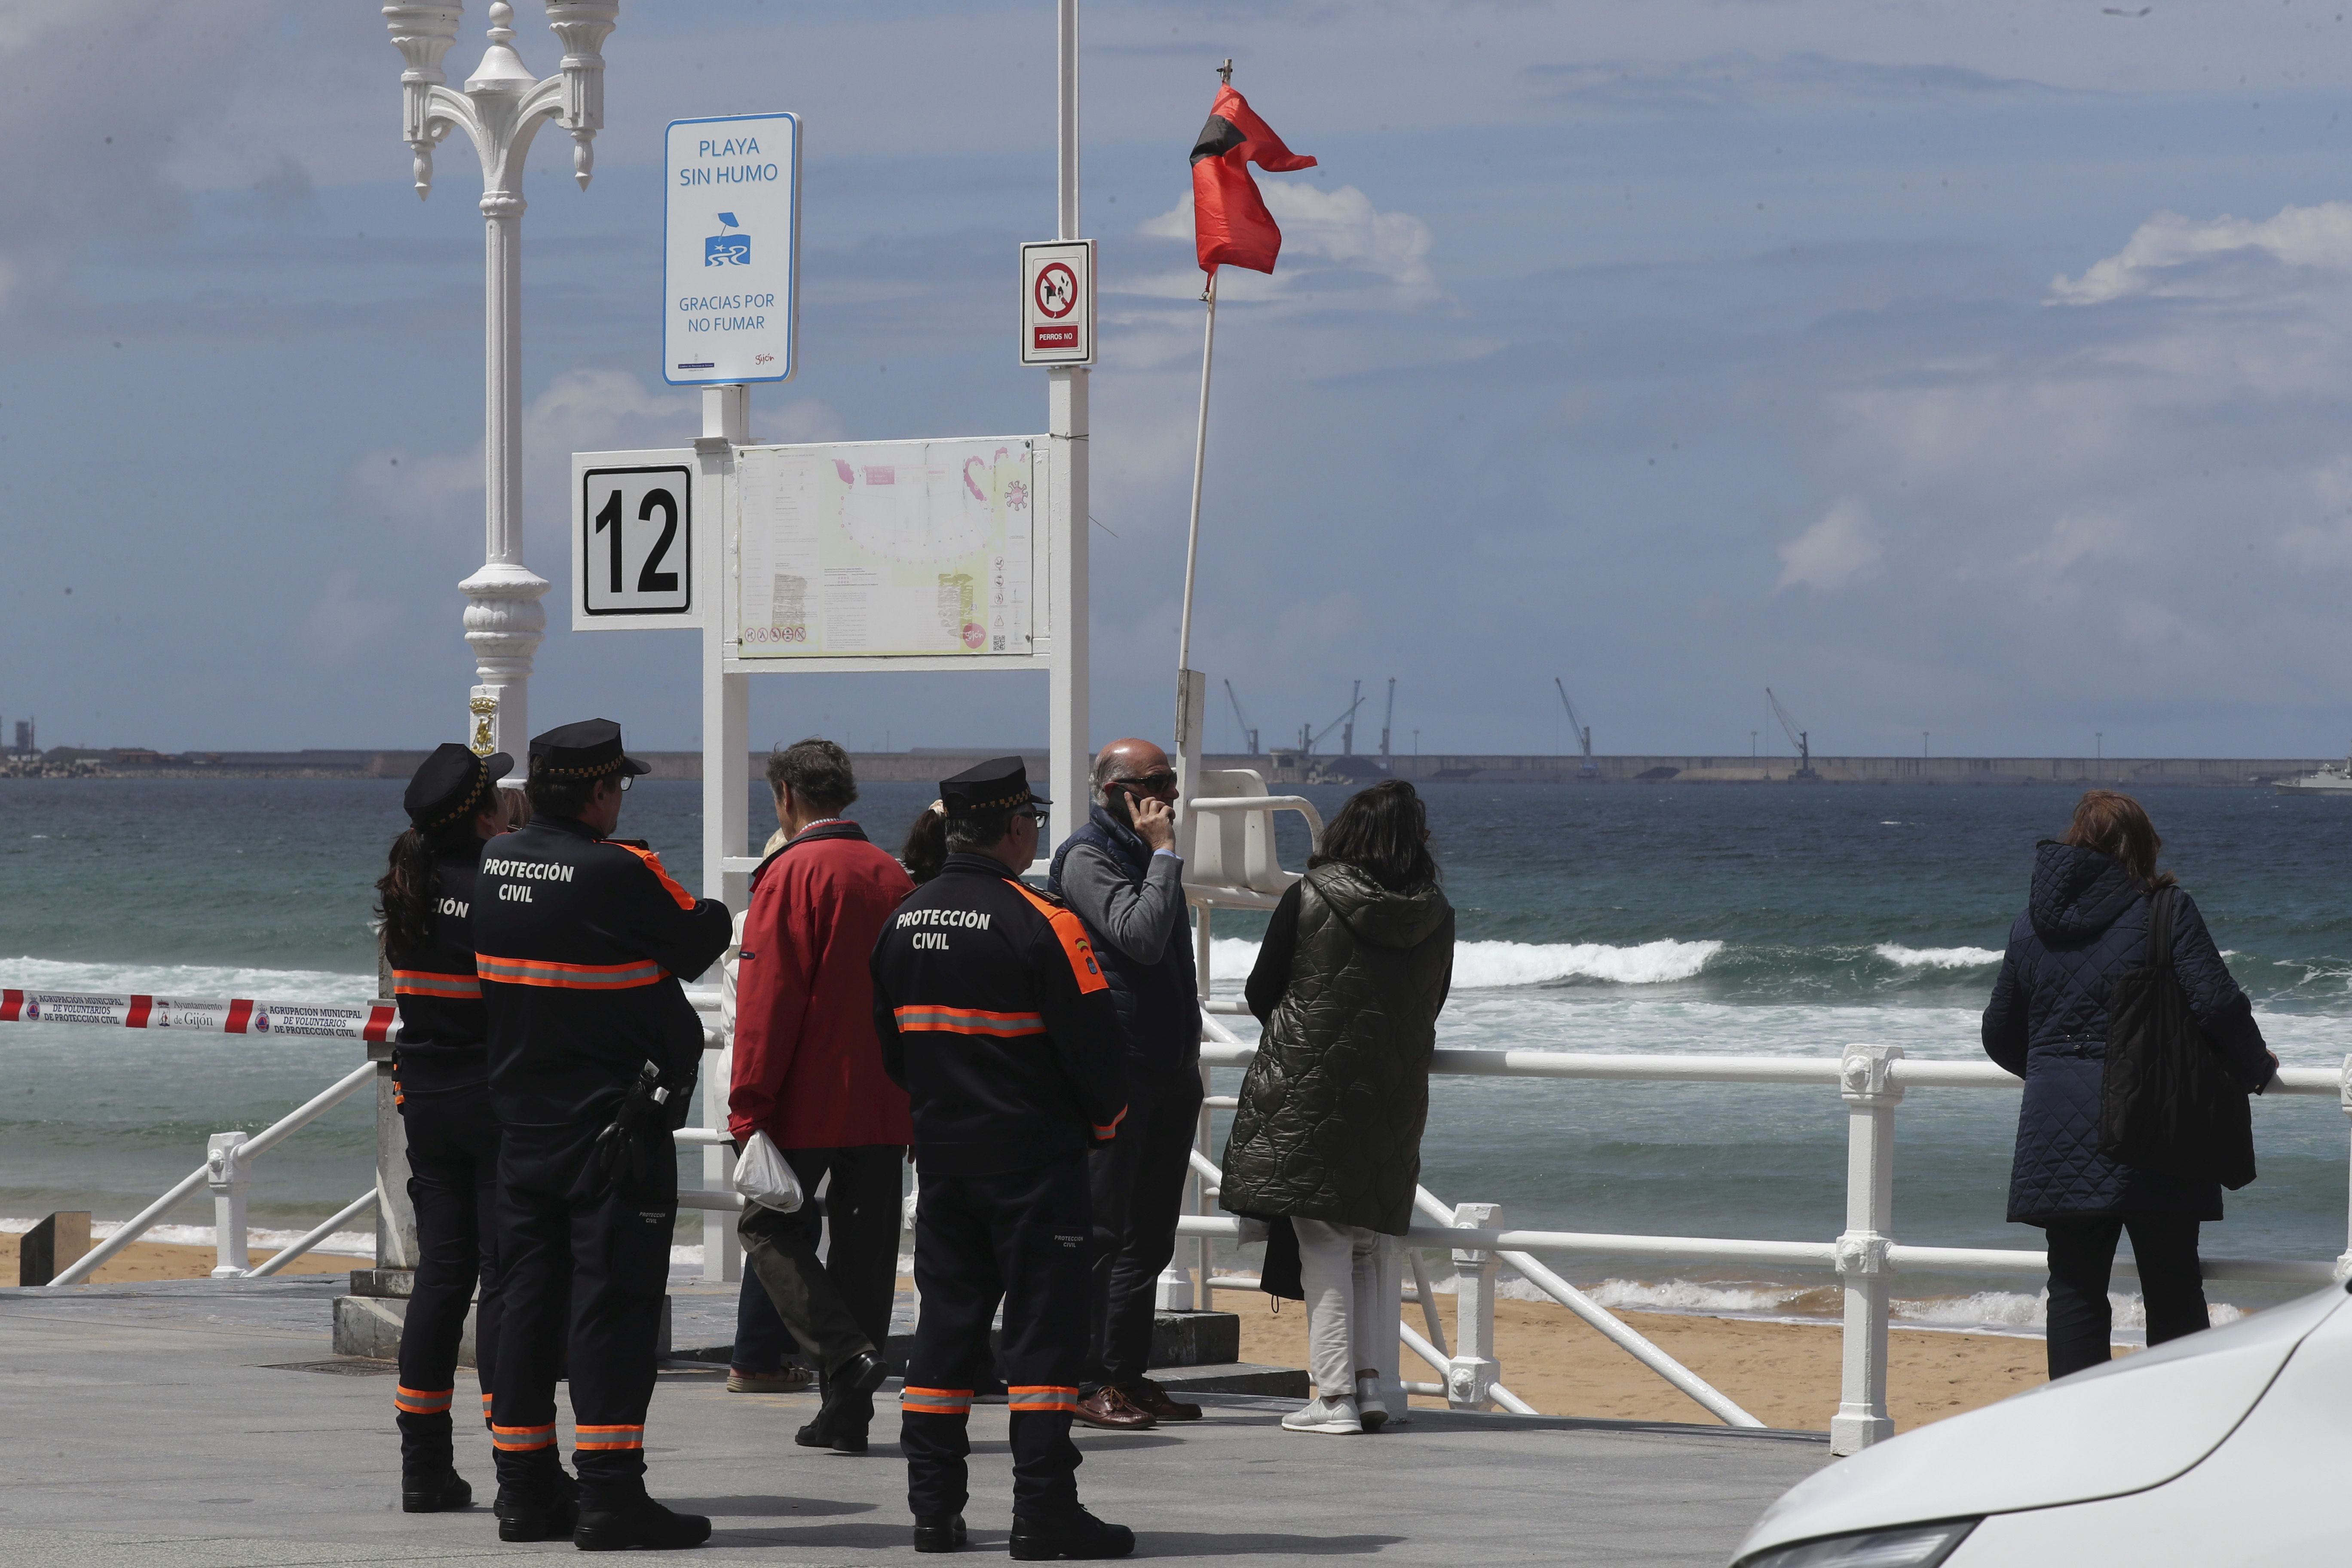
x=2327, y=781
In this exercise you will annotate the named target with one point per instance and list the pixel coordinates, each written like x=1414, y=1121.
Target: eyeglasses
x=626, y=780
x=1036, y=813
x=1152, y=783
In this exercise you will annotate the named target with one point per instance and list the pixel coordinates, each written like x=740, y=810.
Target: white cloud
x=1340, y=230
x=1835, y=551
x=2157, y=257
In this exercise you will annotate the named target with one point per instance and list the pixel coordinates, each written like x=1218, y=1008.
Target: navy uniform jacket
x=580, y=943
x=442, y=1022
x=995, y=1018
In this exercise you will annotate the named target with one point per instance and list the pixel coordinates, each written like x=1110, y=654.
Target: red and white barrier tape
x=372, y=1022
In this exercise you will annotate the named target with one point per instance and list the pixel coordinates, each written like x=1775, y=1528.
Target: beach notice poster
x=886, y=548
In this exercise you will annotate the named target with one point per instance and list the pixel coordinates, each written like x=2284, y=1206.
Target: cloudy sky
x=1970, y=368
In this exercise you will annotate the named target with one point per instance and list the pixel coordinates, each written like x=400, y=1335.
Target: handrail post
x=2344, y=1098
x=1866, y=1083
x=228, y=1175
x=395, y=1215
x=1474, y=1369
x=722, y=1249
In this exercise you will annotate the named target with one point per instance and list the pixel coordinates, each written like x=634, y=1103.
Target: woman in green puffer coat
x=1352, y=971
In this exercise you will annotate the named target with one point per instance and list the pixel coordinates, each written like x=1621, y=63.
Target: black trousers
x=453, y=1169
x=587, y=1273
x=1139, y=1188
x=2082, y=1258
x=1019, y=1237
x=840, y=1305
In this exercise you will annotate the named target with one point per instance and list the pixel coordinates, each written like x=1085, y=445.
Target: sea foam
x=1487, y=965
x=1938, y=957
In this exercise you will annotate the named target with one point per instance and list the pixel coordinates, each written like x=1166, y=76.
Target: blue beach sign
x=730, y=249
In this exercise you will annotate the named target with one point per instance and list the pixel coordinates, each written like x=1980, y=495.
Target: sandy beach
x=170, y=1260
x=1786, y=1375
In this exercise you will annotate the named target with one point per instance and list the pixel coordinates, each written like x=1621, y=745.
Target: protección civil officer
x=994, y=1016
x=440, y=1084
x=579, y=941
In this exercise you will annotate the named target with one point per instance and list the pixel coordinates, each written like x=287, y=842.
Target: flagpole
x=1200, y=462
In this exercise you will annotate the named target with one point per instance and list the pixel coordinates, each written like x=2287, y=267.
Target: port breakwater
x=1296, y=768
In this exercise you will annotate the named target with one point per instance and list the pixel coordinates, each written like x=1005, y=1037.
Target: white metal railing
x=228, y=1170
x=1872, y=1081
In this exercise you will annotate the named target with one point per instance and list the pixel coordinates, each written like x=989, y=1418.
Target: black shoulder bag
x=2165, y=1103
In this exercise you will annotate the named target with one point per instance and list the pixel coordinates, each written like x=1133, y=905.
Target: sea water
x=1697, y=920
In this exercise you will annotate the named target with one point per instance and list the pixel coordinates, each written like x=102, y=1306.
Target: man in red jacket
x=808, y=1073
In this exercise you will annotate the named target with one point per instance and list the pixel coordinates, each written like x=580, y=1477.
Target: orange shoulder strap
x=1075, y=943
x=653, y=863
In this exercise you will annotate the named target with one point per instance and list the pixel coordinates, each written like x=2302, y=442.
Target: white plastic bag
x=763, y=1178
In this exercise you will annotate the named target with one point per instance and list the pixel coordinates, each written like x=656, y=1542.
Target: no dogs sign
x=1058, y=303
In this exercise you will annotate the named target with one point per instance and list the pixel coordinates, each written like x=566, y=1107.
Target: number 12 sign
x=632, y=543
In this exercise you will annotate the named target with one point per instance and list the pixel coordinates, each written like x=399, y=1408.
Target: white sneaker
x=1371, y=1409
x=1337, y=1417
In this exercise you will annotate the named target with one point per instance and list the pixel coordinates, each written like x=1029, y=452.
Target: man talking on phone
x=1120, y=873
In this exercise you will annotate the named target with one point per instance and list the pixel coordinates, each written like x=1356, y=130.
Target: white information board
x=730, y=249
x=887, y=549
x=633, y=539
x=1058, y=303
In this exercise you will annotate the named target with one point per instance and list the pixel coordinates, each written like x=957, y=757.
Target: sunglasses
x=1152, y=783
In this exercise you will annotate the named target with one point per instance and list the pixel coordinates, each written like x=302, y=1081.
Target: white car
x=2226, y=1447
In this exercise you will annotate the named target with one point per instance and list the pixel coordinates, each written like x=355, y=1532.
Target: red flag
x=1230, y=222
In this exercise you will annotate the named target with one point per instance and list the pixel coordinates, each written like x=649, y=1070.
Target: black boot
x=537, y=1499
x=433, y=1490
x=613, y=1525
x=848, y=1406
x=1039, y=1537
x=535, y=1515
x=939, y=1532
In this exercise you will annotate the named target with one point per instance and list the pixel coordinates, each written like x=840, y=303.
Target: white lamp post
x=500, y=108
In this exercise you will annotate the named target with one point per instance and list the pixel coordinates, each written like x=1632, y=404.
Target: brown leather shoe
x=1108, y=1408
x=1155, y=1402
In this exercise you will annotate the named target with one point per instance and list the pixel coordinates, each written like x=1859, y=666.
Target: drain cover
x=342, y=1367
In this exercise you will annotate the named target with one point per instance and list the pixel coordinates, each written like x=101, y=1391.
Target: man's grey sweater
x=1137, y=919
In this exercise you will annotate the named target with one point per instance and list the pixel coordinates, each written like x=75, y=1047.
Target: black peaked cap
x=996, y=784
x=588, y=750
x=450, y=785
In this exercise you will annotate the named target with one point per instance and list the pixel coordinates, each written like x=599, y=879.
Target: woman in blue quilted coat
x=2085, y=923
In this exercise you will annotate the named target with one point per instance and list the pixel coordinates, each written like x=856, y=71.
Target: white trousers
x=1351, y=1275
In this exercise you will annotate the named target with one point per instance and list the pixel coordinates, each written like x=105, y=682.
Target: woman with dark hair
x=1354, y=966
x=926, y=849
x=2085, y=925
x=441, y=1085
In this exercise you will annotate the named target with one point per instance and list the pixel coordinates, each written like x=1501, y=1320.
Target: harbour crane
x=1588, y=769
x=1348, y=731
x=1797, y=738
x=1309, y=737
x=1240, y=718
x=1386, y=720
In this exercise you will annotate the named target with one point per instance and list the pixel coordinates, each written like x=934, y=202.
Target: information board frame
x=1034, y=580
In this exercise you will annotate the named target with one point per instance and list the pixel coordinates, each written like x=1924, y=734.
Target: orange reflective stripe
x=570, y=976
x=606, y=1438
x=433, y=983
x=517, y=1438
x=653, y=863
x=968, y=1020
x=1075, y=943
x=935, y=1401
x=1107, y=1131
x=1043, y=1396
x=422, y=1400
